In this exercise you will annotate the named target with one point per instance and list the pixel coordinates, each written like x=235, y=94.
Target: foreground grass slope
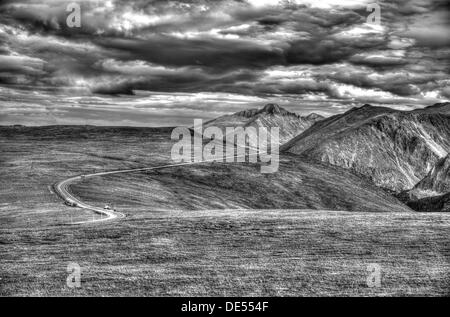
x=234, y=254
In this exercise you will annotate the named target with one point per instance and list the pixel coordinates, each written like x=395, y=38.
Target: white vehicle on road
x=70, y=204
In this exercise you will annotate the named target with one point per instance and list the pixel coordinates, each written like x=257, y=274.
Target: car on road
x=70, y=204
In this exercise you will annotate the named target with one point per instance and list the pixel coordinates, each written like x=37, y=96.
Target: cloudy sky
x=163, y=63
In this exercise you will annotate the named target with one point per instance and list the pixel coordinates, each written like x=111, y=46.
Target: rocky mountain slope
x=433, y=192
x=272, y=115
x=438, y=179
x=395, y=149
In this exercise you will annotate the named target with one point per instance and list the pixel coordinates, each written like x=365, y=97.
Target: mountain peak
x=270, y=109
x=314, y=116
x=273, y=108
x=364, y=107
x=369, y=110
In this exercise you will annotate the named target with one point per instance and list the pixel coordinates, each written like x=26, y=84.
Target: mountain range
x=404, y=152
x=272, y=115
x=394, y=149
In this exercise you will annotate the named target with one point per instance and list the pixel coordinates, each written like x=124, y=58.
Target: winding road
x=63, y=191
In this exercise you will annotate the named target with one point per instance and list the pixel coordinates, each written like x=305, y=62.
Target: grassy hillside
x=297, y=185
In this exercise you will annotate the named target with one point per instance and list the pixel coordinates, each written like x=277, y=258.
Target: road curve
x=62, y=190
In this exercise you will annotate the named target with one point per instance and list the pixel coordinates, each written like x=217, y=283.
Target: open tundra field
x=203, y=230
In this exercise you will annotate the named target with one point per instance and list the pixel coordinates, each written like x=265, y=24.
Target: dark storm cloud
x=167, y=80
x=218, y=54
x=299, y=49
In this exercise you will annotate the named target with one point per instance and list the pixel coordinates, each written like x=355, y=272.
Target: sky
x=164, y=63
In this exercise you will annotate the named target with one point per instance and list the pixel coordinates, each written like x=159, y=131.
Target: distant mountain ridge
x=438, y=108
x=395, y=149
x=271, y=115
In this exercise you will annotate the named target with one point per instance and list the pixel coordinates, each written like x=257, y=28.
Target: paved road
x=63, y=191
